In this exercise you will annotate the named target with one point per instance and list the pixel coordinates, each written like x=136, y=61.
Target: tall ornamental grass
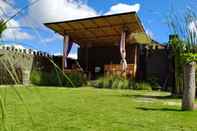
x=183, y=44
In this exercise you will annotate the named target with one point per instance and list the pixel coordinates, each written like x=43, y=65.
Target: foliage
x=143, y=86
x=39, y=78
x=57, y=78
x=2, y=27
x=116, y=82
x=189, y=57
x=112, y=82
x=177, y=50
x=184, y=45
x=154, y=82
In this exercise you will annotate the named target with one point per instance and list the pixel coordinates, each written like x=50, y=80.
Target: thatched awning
x=101, y=30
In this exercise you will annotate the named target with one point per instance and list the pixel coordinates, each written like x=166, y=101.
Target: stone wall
x=16, y=64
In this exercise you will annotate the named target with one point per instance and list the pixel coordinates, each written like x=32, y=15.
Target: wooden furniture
x=116, y=69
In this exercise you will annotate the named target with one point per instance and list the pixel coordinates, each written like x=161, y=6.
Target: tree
x=184, y=50
x=3, y=27
x=177, y=49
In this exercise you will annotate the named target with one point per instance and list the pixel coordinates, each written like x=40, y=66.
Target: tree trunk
x=189, y=87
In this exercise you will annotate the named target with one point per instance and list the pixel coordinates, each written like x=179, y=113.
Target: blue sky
x=153, y=14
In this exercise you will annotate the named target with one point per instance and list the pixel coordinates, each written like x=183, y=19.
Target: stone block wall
x=16, y=64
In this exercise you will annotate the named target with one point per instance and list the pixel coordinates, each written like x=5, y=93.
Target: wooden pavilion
x=104, y=42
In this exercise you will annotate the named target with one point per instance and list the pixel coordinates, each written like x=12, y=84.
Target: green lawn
x=89, y=109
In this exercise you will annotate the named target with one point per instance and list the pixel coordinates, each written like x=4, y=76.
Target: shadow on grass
x=158, y=109
x=168, y=97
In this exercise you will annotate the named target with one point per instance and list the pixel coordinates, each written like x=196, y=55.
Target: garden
x=53, y=100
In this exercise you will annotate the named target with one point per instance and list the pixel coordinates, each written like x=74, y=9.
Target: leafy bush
x=41, y=78
x=36, y=77
x=154, y=82
x=2, y=27
x=75, y=79
x=115, y=82
x=57, y=78
x=143, y=86
x=112, y=82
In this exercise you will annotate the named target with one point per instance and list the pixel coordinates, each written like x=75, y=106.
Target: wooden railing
x=116, y=69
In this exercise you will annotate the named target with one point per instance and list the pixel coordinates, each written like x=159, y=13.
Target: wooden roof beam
x=98, y=37
x=95, y=28
x=57, y=30
x=111, y=26
x=87, y=29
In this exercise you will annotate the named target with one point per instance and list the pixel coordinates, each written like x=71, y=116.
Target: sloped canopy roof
x=101, y=30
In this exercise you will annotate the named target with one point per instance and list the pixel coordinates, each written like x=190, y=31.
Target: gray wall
x=16, y=65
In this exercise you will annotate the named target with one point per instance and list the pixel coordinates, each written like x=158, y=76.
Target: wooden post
x=123, y=51
x=65, y=49
x=135, y=61
x=87, y=62
x=86, y=58
x=189, y=87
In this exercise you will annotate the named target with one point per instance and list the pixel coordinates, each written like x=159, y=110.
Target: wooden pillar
x=65, y=49
x=87, y=61
x=123, y=50
x=135, y=61
x=86, y=58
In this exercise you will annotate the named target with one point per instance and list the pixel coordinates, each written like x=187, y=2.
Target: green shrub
x=143, y=86
x=35, y=77
x=75, y=79
x=112, y=82
x=154, y=82
x=39, y=78
x=57, y=78
x=115, y=82
x=121, y=84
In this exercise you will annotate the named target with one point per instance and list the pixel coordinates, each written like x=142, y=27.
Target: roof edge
x=90, y=18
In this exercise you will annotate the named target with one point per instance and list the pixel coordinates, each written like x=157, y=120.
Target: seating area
x=116, y=69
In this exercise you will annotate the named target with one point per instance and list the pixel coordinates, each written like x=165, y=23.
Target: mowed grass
x=90, y=109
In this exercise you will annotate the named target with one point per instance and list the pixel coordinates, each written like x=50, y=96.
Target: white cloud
x=193, y=29
x=193, y=26
x=121, y=8
x=58, y=54
x=14, y=31
x=50, y=39
x=57, y=10
x=45, y=11
x=73, y=56
x=70, y=55
x=4, y=7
